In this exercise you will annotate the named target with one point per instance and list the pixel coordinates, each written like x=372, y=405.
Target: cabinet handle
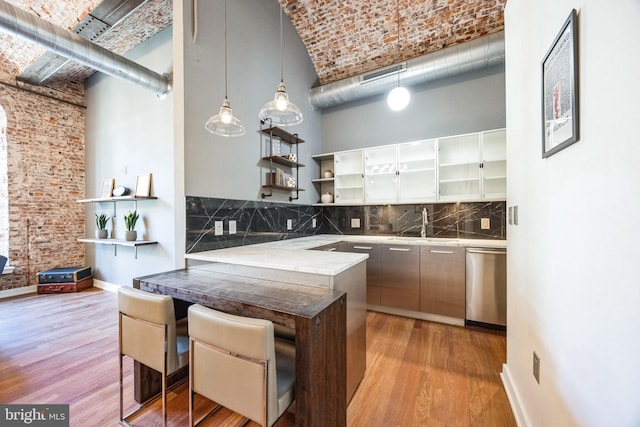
x=363, y=247
x=400, y=249
x=441, y=252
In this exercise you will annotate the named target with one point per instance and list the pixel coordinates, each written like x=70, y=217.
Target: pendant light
x=223, y=123
x=281, y=111
x=399, y=96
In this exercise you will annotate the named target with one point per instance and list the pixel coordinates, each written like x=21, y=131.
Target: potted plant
x=130, y=224
x=101, y=223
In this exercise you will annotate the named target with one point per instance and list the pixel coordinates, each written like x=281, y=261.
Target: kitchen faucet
x=425, y=221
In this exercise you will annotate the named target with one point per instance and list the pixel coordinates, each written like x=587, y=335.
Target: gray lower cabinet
x=442, y=280
x=373, y=268
x=400, y=276
x=333, y=247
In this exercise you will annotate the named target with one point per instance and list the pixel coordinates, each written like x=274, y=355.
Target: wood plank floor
x=63, y=349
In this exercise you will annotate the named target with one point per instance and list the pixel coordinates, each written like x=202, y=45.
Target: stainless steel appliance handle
x=400, y=249
x=332, y=249
x=363, y=247
x=440, y=252
x=487, y=251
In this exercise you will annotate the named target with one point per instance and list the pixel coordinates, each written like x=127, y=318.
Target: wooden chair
x=236, y=362
x=148, y=334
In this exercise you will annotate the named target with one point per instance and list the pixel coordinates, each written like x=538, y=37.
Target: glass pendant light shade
x=280, y=110
x=223, y=123
x=398, y=98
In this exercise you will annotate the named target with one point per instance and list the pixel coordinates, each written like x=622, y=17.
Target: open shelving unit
x=280, y=135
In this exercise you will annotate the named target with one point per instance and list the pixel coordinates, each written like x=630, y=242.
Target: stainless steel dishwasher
x=486, y=286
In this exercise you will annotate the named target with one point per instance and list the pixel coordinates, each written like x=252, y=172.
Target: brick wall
x=45, y=162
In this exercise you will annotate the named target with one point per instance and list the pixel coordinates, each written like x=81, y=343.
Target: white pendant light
x=223, y=123
x=399, y=96
x=280, y=110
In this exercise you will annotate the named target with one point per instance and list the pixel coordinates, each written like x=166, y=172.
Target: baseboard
x=514, y=397
x=105, y=285
x=8, y=293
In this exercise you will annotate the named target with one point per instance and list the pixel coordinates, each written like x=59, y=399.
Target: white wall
x=229, y=167
x=462, y=104
x=573, y=287
x=130, y=132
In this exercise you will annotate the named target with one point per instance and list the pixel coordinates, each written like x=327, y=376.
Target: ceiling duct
x=22, y=24
x=474, y=55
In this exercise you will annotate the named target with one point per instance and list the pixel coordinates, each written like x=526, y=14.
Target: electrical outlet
x=536, y=367
x=217, y=228
x=355, y=222
x=289, y=224
x=232, y=227
x=314, y=222
x=485, y=223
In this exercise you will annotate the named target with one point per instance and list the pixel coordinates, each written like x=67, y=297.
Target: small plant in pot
x=101, y=223
x=130, y=223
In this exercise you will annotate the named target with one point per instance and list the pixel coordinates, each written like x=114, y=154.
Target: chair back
x=234, y=362
x=146, y=321
x=3, y=262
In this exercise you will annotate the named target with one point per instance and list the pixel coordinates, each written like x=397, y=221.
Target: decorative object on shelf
x=143, y=185
x=275, y=147
x=281, y=111
x=290, y=182
x=279, y=177
x=130, y=224
x=326, y=197
x=120, y=191
x=292, y=157
x=560, y=90
x=399, y=96
x=224, y=123
x=327, y=174
x=101, y=223
x=107, y=187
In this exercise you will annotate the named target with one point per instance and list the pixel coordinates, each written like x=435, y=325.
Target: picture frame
x=107, y=188
x=560, y=109
x=143, y=185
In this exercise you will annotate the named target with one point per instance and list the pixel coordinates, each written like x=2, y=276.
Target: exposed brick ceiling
x=343, y=37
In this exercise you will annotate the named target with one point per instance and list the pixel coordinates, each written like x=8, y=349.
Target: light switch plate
x=314, y=222
x=485, y=223
x=289, y=224
x=232, y=227
x=515, y=215
x=355, y=222
x=217, y=229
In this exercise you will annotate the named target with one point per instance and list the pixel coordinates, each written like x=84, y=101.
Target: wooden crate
x=59, y=288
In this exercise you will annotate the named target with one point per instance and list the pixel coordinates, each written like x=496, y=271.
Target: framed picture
x=560, y=90
x=107, y=188
x=143, y=185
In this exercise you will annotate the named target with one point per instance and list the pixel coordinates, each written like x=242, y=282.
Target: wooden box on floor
x=59, y=288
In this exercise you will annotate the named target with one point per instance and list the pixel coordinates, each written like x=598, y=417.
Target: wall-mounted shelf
x=276, y=133
x=118, y=242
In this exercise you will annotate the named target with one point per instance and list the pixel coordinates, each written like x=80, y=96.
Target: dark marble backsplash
x=258, y=221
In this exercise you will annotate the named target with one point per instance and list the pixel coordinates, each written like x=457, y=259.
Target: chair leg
x=164, y=398
x=121, y=392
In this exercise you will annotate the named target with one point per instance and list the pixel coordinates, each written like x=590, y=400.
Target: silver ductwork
x=474, y=55
x=27, y=26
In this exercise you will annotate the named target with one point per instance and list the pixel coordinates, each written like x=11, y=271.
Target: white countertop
x=290, y=255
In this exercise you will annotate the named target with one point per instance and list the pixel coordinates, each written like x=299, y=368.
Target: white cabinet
x=417, y=171
x=459, y=167
x=380, y=174
x=348, y=177
x=494, y=165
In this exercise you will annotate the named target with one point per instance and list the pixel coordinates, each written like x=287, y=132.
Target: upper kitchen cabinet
x=494, y=165
x=380, y=174
x=417, y=171
x=459, y=167
x=348, y=177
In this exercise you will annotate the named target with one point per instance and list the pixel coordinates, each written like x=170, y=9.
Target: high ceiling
x=343, y=37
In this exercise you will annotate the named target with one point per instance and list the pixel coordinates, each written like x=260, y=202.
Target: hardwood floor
x=63, y=349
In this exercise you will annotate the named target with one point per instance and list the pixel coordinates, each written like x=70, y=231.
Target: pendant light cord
x=398, y=53
x=225, y=49
x=281, y=50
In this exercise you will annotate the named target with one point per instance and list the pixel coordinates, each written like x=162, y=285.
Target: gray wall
x=229, y=167
x=467, y=103
x=130, y=132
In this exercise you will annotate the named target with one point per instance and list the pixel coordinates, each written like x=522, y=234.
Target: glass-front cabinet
x=417, y=171
x=459, y=167
x=380, y=174
x=494, y=165
x=348, y=182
